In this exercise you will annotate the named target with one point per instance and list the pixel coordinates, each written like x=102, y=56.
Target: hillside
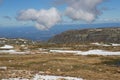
x=105, y=35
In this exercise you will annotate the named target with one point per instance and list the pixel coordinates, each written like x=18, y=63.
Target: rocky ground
x=90, y=61
x=90, y=67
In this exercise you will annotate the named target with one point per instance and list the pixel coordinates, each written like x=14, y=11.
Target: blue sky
x=10, y=8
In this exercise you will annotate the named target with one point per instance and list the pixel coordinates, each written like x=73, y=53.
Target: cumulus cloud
x=76, y=10
x=44, y=19
x=85, y=10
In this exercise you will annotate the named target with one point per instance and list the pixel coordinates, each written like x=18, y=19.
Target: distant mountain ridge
x=31, y=33
x=106, y=35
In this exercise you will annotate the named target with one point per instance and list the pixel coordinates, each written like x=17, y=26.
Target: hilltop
x=104, y=35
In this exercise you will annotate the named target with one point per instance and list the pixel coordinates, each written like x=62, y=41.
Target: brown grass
x=87, y=67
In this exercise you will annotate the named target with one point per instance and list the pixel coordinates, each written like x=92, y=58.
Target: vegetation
x=91, y=67
x=105, y=35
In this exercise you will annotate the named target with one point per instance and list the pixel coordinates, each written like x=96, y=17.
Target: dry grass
x=88, y=67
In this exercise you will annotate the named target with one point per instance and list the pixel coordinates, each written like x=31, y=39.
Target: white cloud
x=80, y=15
x=44, y=19
x=85, y=10
x=30, y=14
x=76, y=10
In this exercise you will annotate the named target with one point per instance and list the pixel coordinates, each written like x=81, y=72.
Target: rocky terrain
x=90, y=67
x=22, y=59
x=104, y=35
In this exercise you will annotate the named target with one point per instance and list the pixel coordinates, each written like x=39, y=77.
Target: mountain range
x=101, y=35
x=33, y=33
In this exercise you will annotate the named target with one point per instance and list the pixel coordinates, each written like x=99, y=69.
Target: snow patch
x=7, y=47
x=98, y=52
x=13, y=52
x=3, y=68
x=46, y=77
x=111, y=44
x=90, y=52
x=64, y=51
x=99, y=44
x=15, y=79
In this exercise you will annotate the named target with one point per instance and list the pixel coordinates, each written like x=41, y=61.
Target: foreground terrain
x=22, y=59
x=90, y=67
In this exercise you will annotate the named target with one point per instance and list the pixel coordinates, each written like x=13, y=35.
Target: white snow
x=7, y=47
x=90, y=52
x=113, y=44
x=98, y=52
x=100, y=44
x=7, y=51
x=3, y=68
x=15, y=79
x=64, y=51
x=46, y=77
x=21, y=53
x=13, y=52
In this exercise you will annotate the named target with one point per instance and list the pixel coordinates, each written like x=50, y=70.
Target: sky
x=44, y=14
